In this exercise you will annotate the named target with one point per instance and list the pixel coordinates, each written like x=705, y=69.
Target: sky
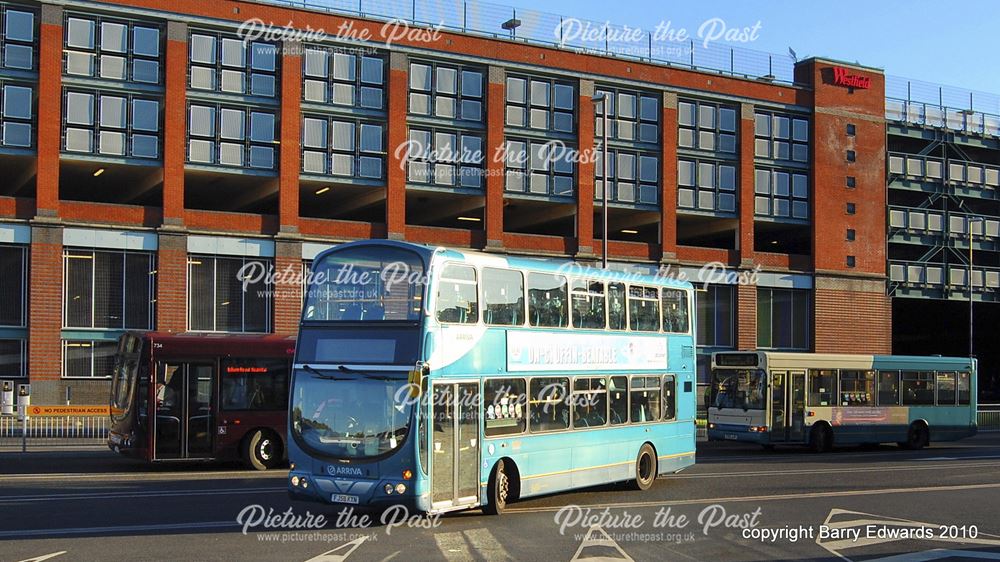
x=952, y=43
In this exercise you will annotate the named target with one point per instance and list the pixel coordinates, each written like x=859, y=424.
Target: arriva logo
x=341, y=470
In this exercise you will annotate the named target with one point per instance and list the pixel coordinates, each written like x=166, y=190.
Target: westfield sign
x=842, y=78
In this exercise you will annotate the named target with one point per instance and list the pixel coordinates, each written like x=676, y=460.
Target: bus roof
x=636, y=273
x=197, y=344
x=791, y=360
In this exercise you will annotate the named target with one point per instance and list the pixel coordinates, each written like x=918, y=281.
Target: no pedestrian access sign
x=69, y=410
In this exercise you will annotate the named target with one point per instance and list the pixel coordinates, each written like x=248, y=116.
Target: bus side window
x=616, y=306
x=504, y=403
x=946, y=389
x=669, y=398
x=675, y=310
x=549, y=407
x=588, y=304
x=645, y=399
x=590, y=402
x=964, y=394
x=503, y=296
x=643, y=309
x=548, y=302
x=618, y=392
x=457, y=298
x=888, y=388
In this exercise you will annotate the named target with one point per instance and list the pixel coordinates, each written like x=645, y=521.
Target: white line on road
x=785, y=472
x=145, y=476
x=119, y=529
x=105, y=495
x=44, y=557
x=776, y=497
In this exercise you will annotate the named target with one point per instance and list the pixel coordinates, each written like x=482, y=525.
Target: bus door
x=796, y=405
x=454, y=445
x=778, y=421
x=184, y=395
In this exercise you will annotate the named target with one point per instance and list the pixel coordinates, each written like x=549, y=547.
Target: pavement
x=738, y=503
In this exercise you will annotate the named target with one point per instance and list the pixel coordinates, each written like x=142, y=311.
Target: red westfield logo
x=842, y=78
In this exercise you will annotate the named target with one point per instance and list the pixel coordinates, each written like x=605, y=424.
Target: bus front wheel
x=820, y=439
x=262, y=450
x=645, y=467
x=497, y=490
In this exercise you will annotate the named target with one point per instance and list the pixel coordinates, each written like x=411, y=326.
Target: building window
x=706, y=185
x=13, y=284
x=343, y=147
x=781, y=193
x=634, y=176
x=343, y=78
x=851, y=261
x=17, y=42
x=535, y=167
x=228, y=64
x=111, y=124
x=112, y=49
x=780, y=136
x=16, y=110
x=13, y=358
x=851, y=234
x=540, y=103
x=851, y=208
x=632, y=116
x=706, y=126
x=851, y=130
x=88, y=358
x=218, y=300
x=445, y=157
x=716, y=315
x=253, y=384
x=447, y=92
x=784, y=318
x=851, y=182
x=231, y=136
x=109, y=289
x=851, y=156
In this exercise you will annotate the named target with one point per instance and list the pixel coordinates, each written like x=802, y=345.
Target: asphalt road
x=738, y=503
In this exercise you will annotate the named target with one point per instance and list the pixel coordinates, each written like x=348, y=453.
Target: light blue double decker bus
x=443, y=379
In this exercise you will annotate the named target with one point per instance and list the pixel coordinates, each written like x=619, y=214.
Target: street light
x=603, y=98
x=970, y=221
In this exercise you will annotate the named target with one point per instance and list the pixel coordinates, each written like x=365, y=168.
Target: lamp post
x=971, y=220
x=602, y=99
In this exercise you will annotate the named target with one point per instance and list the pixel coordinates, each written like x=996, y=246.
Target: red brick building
x=149, y=153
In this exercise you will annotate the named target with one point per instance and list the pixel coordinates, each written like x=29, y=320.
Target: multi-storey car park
x=149, y=153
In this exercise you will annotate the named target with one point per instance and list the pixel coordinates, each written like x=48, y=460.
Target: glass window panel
x=762, y=181
x=472, y=84
x=112, y=142
x=564, y=97
x=727, y=119
x=548, y=303
x=231, y=154
x=706, y=116
x=80, y=108
x=113, y=37
x=343, y=66
x=706, y=140
x=17, y=134
x=16, y=102
x=112, y=112
x=203, y=49
x=685, y=172
x=233, y=53
x=727, y=177
x=649, y=109
x=685, y=138
x=515, y=90
x=762, y=148
x=262, y=85
x=314, y=133
x=113, y=67
x=19, y=26
x=79, y=140
x=800, y=186
x=201, y=151
x=800, y=210
x=727, y=143
x=202, y=78
x=626, y=166
x=472, y=110
x=447, y=80
x=648, y=132
x=342, y=165
x=316, y=64
x=233, y=81
x=80, y=33
x=148, y=71
x=420, y=104
x=314, y=162
x=762, y=125
x=262, y=56
x=146, y=41
x=343, y=135
x=685, y=114
x=539, y=93
x=371, y=138
x=444, y=107
x=800, y=130
x=80, y=63
x=261, y=157
x=18, y=56
x=562, y=122
x=233, y=124
x=539, y=119
x=145, y=146
x=420, y=77
x=371, y=70
x=649, y=168
x=800, y=152
x=343, y=94
x=706, y=174
x=371, y=97
x=202, y=120
x=781, y=126
x=145, y=115
x=261, y=127
x=781, y=184
x=472, y=149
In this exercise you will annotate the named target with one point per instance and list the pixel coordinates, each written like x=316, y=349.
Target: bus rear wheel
x=645, y=467
x=917, y=437
x=497, y=490
x=262, y=450
x=820, y=439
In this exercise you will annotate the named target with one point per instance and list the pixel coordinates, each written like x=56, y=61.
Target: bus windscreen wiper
x=317, y=373
x=346, y=369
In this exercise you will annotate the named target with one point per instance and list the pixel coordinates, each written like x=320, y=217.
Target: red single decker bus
x=201, y=397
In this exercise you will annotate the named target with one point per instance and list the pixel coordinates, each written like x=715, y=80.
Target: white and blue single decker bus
x=446, y=379
x=820, y=400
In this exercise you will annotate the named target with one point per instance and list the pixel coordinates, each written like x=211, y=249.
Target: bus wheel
x=497, y=490
x=917, y=437
x=645, y=467
x=820, y=439
x=262, y=450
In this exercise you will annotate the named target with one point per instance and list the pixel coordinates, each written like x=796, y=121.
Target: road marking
x=452, y=546
x=119, y=529
x=959, y=458
x=44, y=557
x=126, y=495
x=146, y=476
x=339, y=554
x=861, y=519
x=776, y=497
x=784, y=472
x=598, y=538
x=938, y=554
x=487, y=545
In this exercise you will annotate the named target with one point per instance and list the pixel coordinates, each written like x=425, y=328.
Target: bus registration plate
x=730, y=436
x=344, y=498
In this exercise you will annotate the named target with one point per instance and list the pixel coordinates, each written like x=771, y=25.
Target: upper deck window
x=366, y=283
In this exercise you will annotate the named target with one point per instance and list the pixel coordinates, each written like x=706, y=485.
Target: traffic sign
x=68, y=410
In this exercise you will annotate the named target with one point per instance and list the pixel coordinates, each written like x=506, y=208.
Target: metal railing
x=541, y=28
x=52, y=431
x=988, y=418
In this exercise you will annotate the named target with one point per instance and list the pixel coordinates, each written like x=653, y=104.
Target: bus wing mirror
x=416, y=378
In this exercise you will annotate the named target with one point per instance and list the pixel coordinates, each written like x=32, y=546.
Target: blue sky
x=952, y=43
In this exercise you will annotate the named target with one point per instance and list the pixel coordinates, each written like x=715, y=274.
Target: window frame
x=357, y=153
x=128, y=54
x=552, y=111
x=71, y=252
x=269, y=300
x=696, y=127
x=523, y=298
x=431, y=158
x=217, y=137
x=330, y=81
x=442, y=279
x=219, y=67
x=129, y=132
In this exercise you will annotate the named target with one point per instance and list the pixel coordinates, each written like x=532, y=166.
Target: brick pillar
x=746, y=186
x=746, y=317
x=668, y=178
x=290, y=135
x=587, y=141
x=44, y=295
x=493, y=152
x=171, y=282
x=287, y=295
x=174, y=123
x=50, y=50
x=395, y=204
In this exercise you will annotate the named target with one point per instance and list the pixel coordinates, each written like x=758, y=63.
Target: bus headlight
x=711, y=426
x=400, y=488
x=388, y=489
x=295, y=480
